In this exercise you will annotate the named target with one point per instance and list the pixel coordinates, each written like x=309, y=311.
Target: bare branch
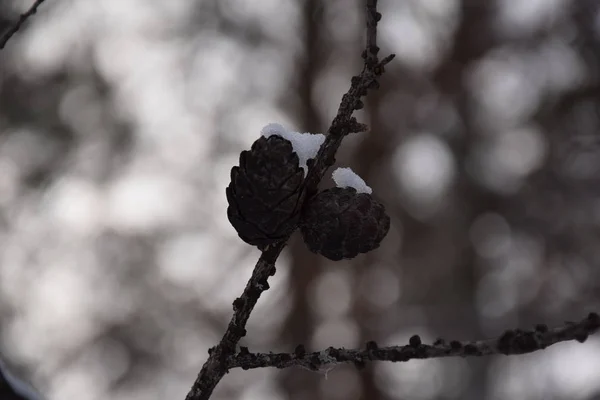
x=510, y=342
x=217, y=364
x=343, y=123
x=17, y=25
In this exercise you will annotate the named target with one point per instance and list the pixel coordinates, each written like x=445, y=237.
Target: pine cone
x=340, y=223
x=265, y=194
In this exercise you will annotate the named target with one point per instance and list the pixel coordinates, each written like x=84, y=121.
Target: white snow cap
x=345, y=177
x=306, y=145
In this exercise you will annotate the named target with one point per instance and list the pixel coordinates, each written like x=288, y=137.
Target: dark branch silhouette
x=224, y=356
x=511, y=342
x=343, y=124
x=17, y=25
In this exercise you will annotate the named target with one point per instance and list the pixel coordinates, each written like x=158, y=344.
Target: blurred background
x=121, y=119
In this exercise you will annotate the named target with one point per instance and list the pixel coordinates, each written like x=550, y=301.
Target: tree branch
x=17, y=25
x=344, y=123
x=510, y=342
x=217, y=364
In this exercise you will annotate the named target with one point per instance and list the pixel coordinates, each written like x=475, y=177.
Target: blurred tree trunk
x=473, y=38
x=305, y=266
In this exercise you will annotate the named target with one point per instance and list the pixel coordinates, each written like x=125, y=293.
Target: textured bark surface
x=511, y=342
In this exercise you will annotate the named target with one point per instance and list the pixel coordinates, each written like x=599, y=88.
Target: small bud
x=372, y=345
x=300, y=351
x=374, y=84
x=415, y=341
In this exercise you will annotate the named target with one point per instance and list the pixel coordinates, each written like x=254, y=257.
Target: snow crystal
x=306, y=145
x=345, y=177
x=273, y=129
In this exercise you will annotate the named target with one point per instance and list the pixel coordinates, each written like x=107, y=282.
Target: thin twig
x=216, y=366
x=509, y=343
x=17, y=25
x=343, y=124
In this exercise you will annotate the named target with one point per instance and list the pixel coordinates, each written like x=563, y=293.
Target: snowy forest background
x=120, y=121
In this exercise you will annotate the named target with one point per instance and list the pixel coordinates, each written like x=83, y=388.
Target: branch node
x=471, y=350
x=356, y=127
x=238, y=331
x=415, y=341
x=300, y=351
x=374, y=84
x=455, y=345
x=372, y=346
x=581, y=337
x=17, y=25
x=333, y=352
x=593, y=321
x=263, y=285
x=238, y=304
x=374, y=50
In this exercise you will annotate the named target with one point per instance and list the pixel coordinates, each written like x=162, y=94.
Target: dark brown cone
x=265, y=193
x=340, y=223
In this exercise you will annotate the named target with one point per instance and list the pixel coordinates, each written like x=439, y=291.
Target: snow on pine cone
x=265, y=194
x=340, y=223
